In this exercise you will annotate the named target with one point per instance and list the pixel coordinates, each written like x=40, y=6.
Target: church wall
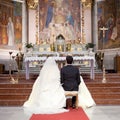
x=109, y=58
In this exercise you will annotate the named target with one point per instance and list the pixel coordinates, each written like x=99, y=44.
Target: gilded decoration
x=87, y=3
x=32, y=4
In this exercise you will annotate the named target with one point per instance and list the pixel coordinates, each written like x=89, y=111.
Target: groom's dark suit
x=70, y=79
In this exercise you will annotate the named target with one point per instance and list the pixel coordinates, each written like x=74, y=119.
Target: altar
x=61, y=33
x=61, y=60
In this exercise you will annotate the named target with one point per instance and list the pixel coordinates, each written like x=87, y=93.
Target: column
x=24, y=26
x=95, y=25
x=86, y=21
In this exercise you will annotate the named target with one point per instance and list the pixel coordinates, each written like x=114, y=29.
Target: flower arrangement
x=29, y=45
x=90, y=45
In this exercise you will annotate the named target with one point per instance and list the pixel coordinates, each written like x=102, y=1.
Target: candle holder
x=104, y=75
x=10, y=62
x=12, y=59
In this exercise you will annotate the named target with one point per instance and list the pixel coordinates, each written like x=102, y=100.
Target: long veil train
x=84, y=96
x=47, y=94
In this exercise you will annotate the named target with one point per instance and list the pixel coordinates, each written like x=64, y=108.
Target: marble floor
x=94, y=113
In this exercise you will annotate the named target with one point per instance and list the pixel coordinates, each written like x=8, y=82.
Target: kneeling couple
x=48, y=92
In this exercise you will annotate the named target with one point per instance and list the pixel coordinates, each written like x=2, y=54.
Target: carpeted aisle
x=73, y=114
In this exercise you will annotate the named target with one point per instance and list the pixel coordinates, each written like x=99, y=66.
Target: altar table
x=61, y=59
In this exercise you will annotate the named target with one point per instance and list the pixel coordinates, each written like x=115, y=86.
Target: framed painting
x=59, y=17
x=108, y=15
x=10, y=24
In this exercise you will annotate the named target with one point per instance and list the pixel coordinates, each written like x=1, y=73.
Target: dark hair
x=69, y=59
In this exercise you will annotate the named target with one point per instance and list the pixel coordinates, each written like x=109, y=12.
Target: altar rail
x=61, y=60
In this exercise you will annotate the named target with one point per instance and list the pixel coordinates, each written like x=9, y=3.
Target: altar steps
x=82, y=69
x=103, y=93
x=87, y=70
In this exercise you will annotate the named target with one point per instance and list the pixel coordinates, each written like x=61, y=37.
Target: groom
x=70, y=78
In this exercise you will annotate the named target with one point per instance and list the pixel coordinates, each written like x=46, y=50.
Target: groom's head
x=69, y=59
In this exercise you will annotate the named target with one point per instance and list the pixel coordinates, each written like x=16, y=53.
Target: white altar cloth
x=61, y=59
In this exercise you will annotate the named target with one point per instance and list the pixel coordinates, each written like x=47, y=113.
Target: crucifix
x=103, y=29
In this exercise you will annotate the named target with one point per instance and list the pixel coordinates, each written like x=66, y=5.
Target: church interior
x=33, y=30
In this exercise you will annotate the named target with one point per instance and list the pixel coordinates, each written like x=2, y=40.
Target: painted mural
x=109, y=18
x=59, y=17
x=10, y=25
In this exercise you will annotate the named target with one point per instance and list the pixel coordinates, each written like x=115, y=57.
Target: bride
x=47, y=96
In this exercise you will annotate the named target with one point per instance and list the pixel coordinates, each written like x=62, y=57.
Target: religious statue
x=10, y=32
x=18, y=30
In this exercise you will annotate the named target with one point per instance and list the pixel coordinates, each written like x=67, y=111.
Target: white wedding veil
x=47, y=94
x=84, y=96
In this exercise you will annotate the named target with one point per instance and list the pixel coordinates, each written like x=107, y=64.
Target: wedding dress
x=47, y=94
x=84, y=96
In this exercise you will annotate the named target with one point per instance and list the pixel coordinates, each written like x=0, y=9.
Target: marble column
x=86, y=9
x=87, y=24
x=95, y=25
x=24, y=26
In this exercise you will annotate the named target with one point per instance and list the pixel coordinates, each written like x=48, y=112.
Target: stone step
x=12, y=102
x=19, y=96
x=16, y=94
x=107, y=101
x=13, y=96
x=17, y=86
x=15, y=90
x=98, y=77
x=83, y=69
x=115, y=95
x=103, y=85
x=104, y=90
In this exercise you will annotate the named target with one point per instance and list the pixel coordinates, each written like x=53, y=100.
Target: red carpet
x=73, y=114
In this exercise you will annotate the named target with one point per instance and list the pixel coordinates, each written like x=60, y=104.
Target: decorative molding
x=32, y=4
x=87, y=3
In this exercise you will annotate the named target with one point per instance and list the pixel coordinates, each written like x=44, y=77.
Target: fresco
x=59, y=17
x=10, y=24
x=108, y=17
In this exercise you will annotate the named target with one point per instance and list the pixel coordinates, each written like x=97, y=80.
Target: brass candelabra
x=12, y=60
x=104, y=75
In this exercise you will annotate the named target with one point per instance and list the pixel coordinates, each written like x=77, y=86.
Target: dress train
x=84, y=96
